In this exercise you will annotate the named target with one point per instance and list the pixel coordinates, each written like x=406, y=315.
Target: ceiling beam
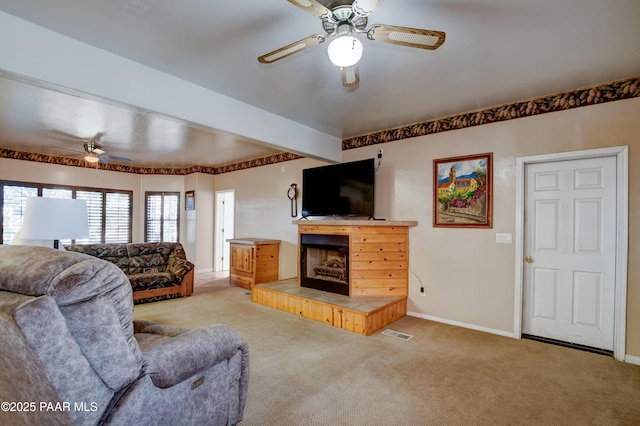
x=41, y=54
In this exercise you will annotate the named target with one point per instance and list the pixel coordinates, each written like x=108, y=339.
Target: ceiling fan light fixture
x=91, y=159
x=345, y=51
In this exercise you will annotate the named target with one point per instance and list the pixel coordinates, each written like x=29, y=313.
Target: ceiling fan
x=344, y=19
x=93, y=152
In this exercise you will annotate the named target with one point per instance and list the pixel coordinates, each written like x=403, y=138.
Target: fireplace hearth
x=372, y=287
x=324, y=262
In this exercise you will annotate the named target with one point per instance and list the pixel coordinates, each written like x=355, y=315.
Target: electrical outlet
x=504, y=238
x=379, y=153
x=422, y=293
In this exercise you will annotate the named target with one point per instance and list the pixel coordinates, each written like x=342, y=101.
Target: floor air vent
x=397, y=334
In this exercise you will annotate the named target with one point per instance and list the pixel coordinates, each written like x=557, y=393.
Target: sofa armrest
x=178, y=266
x=178, y=358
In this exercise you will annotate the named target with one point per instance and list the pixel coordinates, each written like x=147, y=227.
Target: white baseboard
x=462, y=324
x=632, y=359
x=204, y=271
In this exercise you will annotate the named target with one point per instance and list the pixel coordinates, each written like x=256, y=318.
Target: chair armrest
x=151, y=327
x=189, y=353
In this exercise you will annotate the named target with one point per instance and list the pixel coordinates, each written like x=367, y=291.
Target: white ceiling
x=496, y=52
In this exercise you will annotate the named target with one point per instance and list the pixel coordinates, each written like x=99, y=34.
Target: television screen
x=344, y=189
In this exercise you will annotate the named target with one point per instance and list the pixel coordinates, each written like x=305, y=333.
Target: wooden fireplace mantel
x=378, y=276
x=356, y=222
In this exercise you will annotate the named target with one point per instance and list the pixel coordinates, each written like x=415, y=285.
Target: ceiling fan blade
x=61, y=148
x=96, y=138
x=290, y=49
x=405, y=36
x=111, y=157
x=312, y=7
x=65, y=135
x=350, y=76
x=365, y=7
x=97, y=151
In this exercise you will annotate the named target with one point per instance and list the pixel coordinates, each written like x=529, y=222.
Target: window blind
x=117, y=218
x=162, y=216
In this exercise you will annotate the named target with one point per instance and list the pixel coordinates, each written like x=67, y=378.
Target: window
x=109, y=210
x=14, y=199
x=117, y=222
x=162, y=216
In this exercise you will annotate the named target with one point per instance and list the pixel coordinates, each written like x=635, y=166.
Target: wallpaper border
x=592, y=95
x=123, y=168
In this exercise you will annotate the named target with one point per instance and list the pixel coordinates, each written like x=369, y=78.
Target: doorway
x=224, y=228
x=571, y=239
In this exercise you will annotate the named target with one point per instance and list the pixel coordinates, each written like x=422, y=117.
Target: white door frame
x=622, y=235
x=221, y=222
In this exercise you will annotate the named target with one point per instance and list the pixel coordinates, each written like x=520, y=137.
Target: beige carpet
x=307, y=373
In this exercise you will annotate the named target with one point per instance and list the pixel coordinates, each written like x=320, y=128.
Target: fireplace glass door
x=324, y=262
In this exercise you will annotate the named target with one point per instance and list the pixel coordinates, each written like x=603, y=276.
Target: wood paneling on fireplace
x=379, y=254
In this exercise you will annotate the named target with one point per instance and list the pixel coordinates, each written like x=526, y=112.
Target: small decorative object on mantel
x=462, y=191
x=292, y=193
x=190, y=200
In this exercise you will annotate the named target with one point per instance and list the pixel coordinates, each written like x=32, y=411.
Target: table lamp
x=47, y=219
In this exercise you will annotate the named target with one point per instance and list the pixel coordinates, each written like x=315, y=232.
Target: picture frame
x=190, y=200
x=463, y=191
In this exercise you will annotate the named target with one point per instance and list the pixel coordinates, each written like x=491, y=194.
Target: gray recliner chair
x=70, y=352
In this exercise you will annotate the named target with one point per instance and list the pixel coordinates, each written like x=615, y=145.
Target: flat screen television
x=344, y=189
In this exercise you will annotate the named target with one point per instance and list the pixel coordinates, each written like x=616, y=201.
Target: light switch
x=504, y=238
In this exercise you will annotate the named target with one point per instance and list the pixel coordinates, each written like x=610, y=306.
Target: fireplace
x=324, y=262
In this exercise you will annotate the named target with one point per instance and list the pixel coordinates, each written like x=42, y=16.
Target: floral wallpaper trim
x=123, y=168
x=618, y=90
x=624, y=89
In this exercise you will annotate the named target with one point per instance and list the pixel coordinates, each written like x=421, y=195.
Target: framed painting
x=190, y=200
x=462, y=191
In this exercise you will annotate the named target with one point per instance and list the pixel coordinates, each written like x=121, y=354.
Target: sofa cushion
x=141, y=249
x=114, y=253
x=152, y=280
x=147, y=263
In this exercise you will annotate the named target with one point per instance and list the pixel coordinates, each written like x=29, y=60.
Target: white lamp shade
x=54, y=219
x=345, y=51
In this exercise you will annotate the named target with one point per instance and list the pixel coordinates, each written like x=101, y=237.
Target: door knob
x=528, y=259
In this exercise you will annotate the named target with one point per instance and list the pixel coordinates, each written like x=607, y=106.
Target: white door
x=569, y=248
x=225, y=212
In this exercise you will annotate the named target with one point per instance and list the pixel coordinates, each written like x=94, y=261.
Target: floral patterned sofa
x=156, y=271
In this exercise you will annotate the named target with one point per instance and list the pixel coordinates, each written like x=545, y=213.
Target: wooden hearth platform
x=363, y=315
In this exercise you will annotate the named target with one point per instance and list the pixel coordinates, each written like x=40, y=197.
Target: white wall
x=263, y=209
x=203, y=232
